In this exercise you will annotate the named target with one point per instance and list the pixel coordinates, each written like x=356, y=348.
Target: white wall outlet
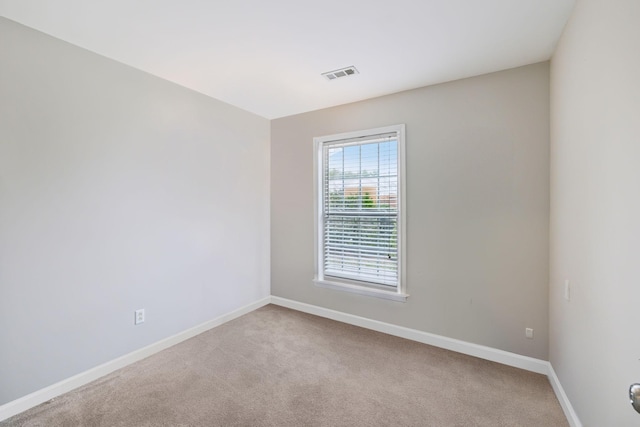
x=567, y=290
x=139, y=317
x=528, y=333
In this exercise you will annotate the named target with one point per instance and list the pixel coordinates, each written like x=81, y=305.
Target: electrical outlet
x=528, y=333
x=139, y=317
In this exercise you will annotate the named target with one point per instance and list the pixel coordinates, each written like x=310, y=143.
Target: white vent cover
x=343, y=72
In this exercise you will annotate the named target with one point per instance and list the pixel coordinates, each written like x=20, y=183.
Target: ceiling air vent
x=343, y=72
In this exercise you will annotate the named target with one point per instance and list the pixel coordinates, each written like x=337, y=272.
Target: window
x=359, y=196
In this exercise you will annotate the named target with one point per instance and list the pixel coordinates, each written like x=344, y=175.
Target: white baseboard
x=504, y=357
x=571, y=415
x=481, y=351
x=29, y=401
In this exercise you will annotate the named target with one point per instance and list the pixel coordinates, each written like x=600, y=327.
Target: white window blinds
x=360, y=209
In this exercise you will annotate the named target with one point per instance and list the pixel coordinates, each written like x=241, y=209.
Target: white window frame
x=359, y=287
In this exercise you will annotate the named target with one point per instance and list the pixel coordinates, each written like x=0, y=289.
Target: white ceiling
x=267, y=56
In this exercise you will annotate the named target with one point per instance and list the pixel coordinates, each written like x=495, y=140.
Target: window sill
x=362, y=290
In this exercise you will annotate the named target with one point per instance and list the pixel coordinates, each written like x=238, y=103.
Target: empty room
x=340, y=213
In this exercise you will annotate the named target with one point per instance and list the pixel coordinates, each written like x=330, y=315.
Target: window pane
x=360, y=207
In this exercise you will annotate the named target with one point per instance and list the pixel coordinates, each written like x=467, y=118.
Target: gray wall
x=118, y=191
x=477, y=207
x=595, y=210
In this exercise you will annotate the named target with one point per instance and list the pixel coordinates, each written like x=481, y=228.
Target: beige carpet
x=279, y=367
